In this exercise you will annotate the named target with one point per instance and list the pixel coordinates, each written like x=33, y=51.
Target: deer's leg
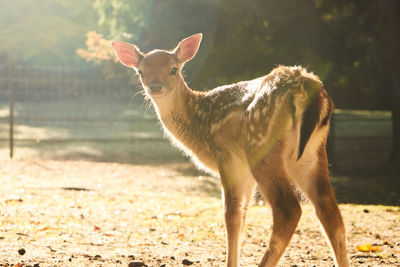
x=274, y=185
x=320, y=192
x=238, y=184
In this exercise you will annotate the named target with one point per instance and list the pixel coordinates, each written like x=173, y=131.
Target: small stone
x=21, y=251
x=187, y=262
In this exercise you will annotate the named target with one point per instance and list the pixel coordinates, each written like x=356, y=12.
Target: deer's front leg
x=238, y=183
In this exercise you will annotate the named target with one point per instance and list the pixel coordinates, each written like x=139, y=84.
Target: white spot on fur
x=251, y=127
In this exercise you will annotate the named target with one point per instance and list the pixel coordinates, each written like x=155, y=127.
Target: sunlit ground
x=67, y=213
x=130, y=196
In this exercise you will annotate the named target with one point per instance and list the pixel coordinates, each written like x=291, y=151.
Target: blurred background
x=63, y=95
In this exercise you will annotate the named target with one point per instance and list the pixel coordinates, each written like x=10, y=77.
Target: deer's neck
x=175, y=110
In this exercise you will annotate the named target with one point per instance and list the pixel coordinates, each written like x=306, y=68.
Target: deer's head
x=159, y=70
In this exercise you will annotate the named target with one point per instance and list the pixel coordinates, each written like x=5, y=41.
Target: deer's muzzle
x=155, y=87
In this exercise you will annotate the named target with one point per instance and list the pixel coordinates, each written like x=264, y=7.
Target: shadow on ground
x=374, y=187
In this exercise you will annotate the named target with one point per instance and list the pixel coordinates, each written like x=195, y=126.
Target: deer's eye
x=174, y=71
x=141, y=73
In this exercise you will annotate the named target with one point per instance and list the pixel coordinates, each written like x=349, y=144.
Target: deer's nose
x=156, y=86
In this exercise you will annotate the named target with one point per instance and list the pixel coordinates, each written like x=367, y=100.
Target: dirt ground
x=82, y=213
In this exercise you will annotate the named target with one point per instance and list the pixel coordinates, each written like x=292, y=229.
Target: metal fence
x=75, y=113
x=70, y=112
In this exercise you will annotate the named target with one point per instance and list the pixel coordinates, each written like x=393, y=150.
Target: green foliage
x=338, y=40
x=244, y=39
x=44, y=32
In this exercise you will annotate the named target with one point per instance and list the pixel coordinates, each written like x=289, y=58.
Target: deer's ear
x=188, y=47
x=128, y=54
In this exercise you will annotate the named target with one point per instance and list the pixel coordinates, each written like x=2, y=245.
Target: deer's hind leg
x=274, y=185
x=317, y=187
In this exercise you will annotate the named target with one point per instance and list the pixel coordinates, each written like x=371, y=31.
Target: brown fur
x=271, y=131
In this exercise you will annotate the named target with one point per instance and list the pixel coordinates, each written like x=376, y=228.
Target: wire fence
x=70, y=112
x=74, y=113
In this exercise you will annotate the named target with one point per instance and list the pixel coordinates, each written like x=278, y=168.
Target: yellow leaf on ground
x=368, y=248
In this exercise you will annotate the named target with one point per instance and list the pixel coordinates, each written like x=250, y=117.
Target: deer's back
x=251, y=116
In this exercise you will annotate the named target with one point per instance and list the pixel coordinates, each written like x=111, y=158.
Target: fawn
x=271, y=131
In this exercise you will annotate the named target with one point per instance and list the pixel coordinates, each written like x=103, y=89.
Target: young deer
x=271, y=131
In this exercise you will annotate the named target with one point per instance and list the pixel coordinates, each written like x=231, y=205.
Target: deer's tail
x=316, y=114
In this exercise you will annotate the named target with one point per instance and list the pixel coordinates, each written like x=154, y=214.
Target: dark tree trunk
x=390, y=47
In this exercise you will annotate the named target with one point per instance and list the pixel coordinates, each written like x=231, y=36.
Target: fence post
x=11, y=107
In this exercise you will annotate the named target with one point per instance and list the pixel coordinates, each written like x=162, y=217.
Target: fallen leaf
x=108, y=234
x=368, y=248
x=96, y=228
x=181, y=235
